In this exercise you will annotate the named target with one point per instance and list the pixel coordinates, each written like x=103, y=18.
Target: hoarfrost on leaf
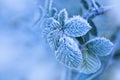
x=51, y=23
x=91, y=63
x=53, y=12
x=100, y=46
x=76, y=27
x=62, y=16
x=53, y=39
x=68, y=53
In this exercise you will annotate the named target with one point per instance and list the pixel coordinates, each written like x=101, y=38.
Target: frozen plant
x=70, y=39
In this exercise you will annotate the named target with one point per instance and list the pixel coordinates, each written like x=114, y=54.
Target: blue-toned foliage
x=53, y=12
x=100, y=46
x=76, y=27
x=72, y=40
x=91, y=63
x=62, y=16
x=61, y=33
x=68, y=53
x=49, y=25
x=53, y=39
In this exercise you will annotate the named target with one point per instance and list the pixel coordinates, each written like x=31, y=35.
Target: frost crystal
x=100, y=46
x=53, y=39
x=91, y=63
x=76, y=27
x=62, y=16
x=68, y=53
x=60, y=36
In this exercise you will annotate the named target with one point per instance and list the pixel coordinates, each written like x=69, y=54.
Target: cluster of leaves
x=61, y=33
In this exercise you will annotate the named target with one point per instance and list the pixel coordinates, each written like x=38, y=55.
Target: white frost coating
x=51, y=23
x=70, y=42
x=68, y=53
x=53, y=39
x=100, y=46
x=76, y=26
x=91, y=63
x=62, y=16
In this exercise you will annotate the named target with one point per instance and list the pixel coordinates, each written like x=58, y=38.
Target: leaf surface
x=91, y=63
x=68, y=53
x=76, y=27
x=100, y=46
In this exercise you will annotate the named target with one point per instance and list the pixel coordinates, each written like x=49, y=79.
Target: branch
x=94, y=4
x=48, y=6
x=95, y=12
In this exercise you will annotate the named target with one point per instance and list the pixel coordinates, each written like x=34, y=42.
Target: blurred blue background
x=24, y=54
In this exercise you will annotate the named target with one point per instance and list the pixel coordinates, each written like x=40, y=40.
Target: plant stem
x=95, y=12
x=48, y=6
x=40, y=17
x=94, y=4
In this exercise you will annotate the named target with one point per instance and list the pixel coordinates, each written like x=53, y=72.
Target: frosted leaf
x=47, y=22
x=45, y=32
x=68, y=53
x=62, y=16
x=53, y=39
x=91, y=63
x=100, y=46
x=76, y=26
x=53, y=12
x=51, y=23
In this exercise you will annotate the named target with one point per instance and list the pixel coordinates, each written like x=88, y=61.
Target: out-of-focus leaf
x=91, y=63
x=117, y=54
x=100, y=46
x=68, y=53
x=93, y=31
x=86, y=37
x=85, y=4
x=98, y=4
x=80, y=11
x=62, y=16
x=114, y=35
x=80, y=39
x=76, y=27
x=53, y=12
